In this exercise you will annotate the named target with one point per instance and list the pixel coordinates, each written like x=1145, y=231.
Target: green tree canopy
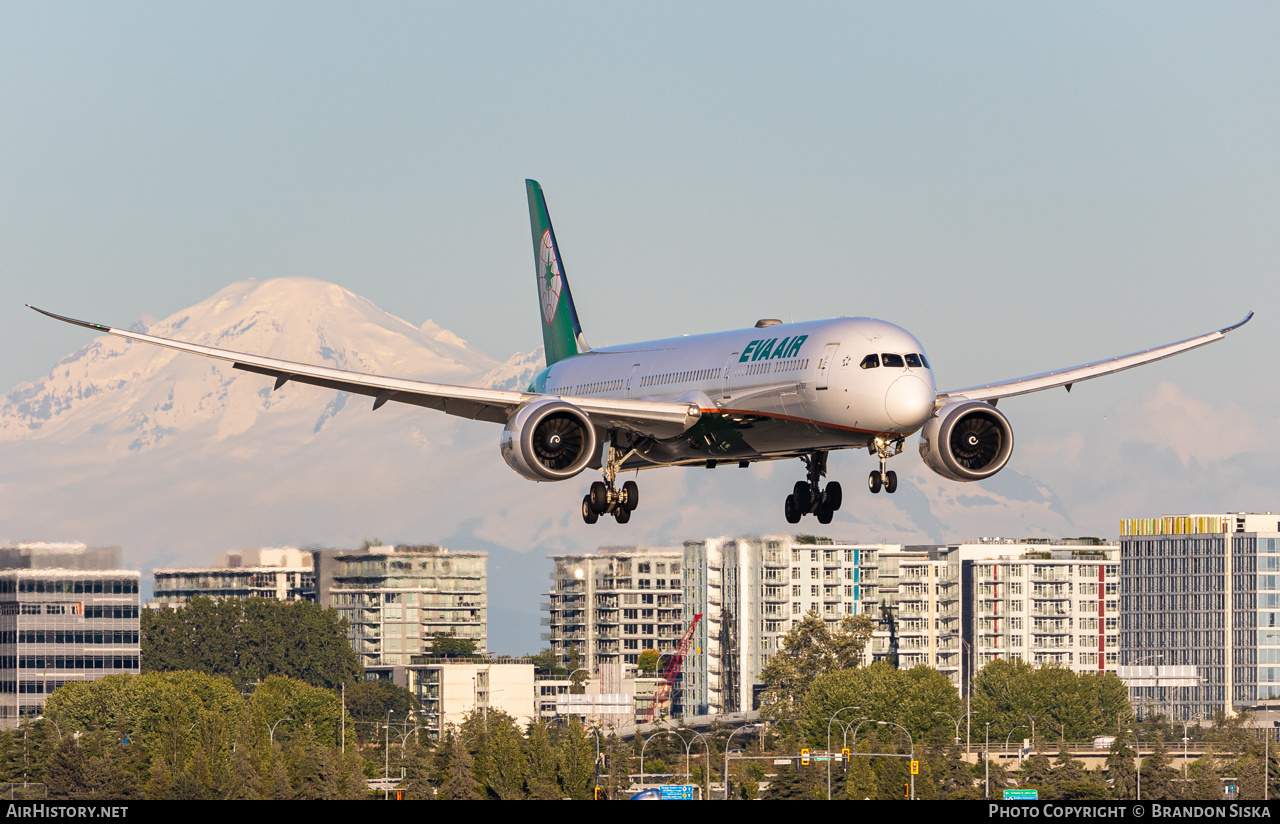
x=250, y=640
x=810, y=649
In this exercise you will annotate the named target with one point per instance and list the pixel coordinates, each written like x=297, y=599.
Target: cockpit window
x=893, y=360
x=913, y=361
x=870, y=362
x=925, y=362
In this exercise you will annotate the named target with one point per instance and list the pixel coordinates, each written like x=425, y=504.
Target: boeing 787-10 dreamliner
x=776, y=390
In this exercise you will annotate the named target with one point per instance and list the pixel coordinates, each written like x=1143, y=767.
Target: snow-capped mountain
x=134, y=396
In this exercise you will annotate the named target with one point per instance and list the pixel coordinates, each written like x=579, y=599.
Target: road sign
x=677, y=792
x=1021, y=795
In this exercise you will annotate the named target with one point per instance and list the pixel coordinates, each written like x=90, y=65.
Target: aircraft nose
x=909, y=401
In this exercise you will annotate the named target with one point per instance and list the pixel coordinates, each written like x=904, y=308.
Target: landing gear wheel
x=824, y=514
x=891, y=482
x=834, y=496
x=589, y=513
x=599, y=497
x=621, y=514
x=630, y=496
x=792, y=510
x=873, y=482
x=801, y=493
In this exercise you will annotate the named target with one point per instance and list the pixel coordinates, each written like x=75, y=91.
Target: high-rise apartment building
x=67, y=613
x=278, y=573
x=397, y=599
x=605, y=609
x=1202, y=591
x=917, y=609
x=751, y=591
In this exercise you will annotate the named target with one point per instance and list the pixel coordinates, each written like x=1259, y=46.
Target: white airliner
x=777, y=390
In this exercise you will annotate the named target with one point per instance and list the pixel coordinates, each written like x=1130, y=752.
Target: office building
x=605, y=609
x=67, y=613
x=397, y=599
x=278, y=573
x=1201, y=591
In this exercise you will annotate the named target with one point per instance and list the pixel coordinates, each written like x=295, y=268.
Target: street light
x=913, y=751
x=986, y=763
x=1006, y=743
x=956, y=722
x=273, y=729
x=726, y=756
x=833, y=718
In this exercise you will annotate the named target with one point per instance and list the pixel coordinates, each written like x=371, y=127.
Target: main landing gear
x=886, y=450
x=810, y=497
x=604, y=498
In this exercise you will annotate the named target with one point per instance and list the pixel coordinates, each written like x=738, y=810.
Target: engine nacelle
x=966, y=441
x=548, y=440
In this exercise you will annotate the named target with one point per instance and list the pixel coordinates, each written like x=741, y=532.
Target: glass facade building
x=58, y=626
x=1203, y=591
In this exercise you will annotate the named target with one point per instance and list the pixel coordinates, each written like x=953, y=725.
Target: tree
x=808, y=651
x=907, y=697
x=1121, y=771
x=647, y=661
x=449, y=646
x=249, y=640
x=369, y=701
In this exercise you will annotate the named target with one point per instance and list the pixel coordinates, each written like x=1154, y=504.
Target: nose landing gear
x=885, y=449
x=809, y=497
x=604, y=498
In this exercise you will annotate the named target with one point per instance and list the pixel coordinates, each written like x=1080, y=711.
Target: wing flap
x=660, y=419
x=1084, y=372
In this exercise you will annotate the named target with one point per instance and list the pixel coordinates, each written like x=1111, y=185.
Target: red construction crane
x=672, y=671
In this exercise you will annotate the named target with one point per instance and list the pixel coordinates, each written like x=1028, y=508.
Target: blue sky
x=1022, y=185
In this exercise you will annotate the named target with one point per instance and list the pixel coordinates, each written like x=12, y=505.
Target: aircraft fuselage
x=765, y=392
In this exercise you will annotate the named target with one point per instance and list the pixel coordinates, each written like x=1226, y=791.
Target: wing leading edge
x=1075, y=374
x=653, y=418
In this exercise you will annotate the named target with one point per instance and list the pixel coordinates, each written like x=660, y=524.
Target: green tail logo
x=561, y=332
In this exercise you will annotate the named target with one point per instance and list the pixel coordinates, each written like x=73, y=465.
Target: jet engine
x=548, y=440
x=966, y=441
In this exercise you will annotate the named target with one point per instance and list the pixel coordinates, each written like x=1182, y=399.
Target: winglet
x=1247, y=318
x=86, y=324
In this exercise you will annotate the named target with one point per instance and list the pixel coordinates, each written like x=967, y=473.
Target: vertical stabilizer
x=561, y=332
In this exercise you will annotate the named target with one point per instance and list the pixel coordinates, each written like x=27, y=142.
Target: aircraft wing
x=660, y=419
x=1075, y=374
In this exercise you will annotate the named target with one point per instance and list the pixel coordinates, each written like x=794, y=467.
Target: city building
x=750, y=592
x=917, y=609
x=1040, y=601
x=1201, y=591
x=448, y=689
x=397, y=599
x=279, y=573
x=605, y=609
x=68, y=613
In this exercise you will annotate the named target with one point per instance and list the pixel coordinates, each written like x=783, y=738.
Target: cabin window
x=893, y=360
x=870, y=362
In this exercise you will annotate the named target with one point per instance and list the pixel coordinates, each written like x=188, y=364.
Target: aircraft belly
x=739, y=437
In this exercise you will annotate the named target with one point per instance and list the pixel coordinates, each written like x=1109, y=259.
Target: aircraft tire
x=621, y=514
x=834, y=496
x=599, y=497
x=873, y=482
x=825, y=514
x=792, y=510
x=589, y=513
x=801, y=493
x=891, y=482
x=632, y=494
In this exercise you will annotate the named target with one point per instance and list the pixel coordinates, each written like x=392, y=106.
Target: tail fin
x=561, y=332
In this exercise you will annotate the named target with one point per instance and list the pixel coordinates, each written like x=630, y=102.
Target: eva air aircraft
x=773, y=391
